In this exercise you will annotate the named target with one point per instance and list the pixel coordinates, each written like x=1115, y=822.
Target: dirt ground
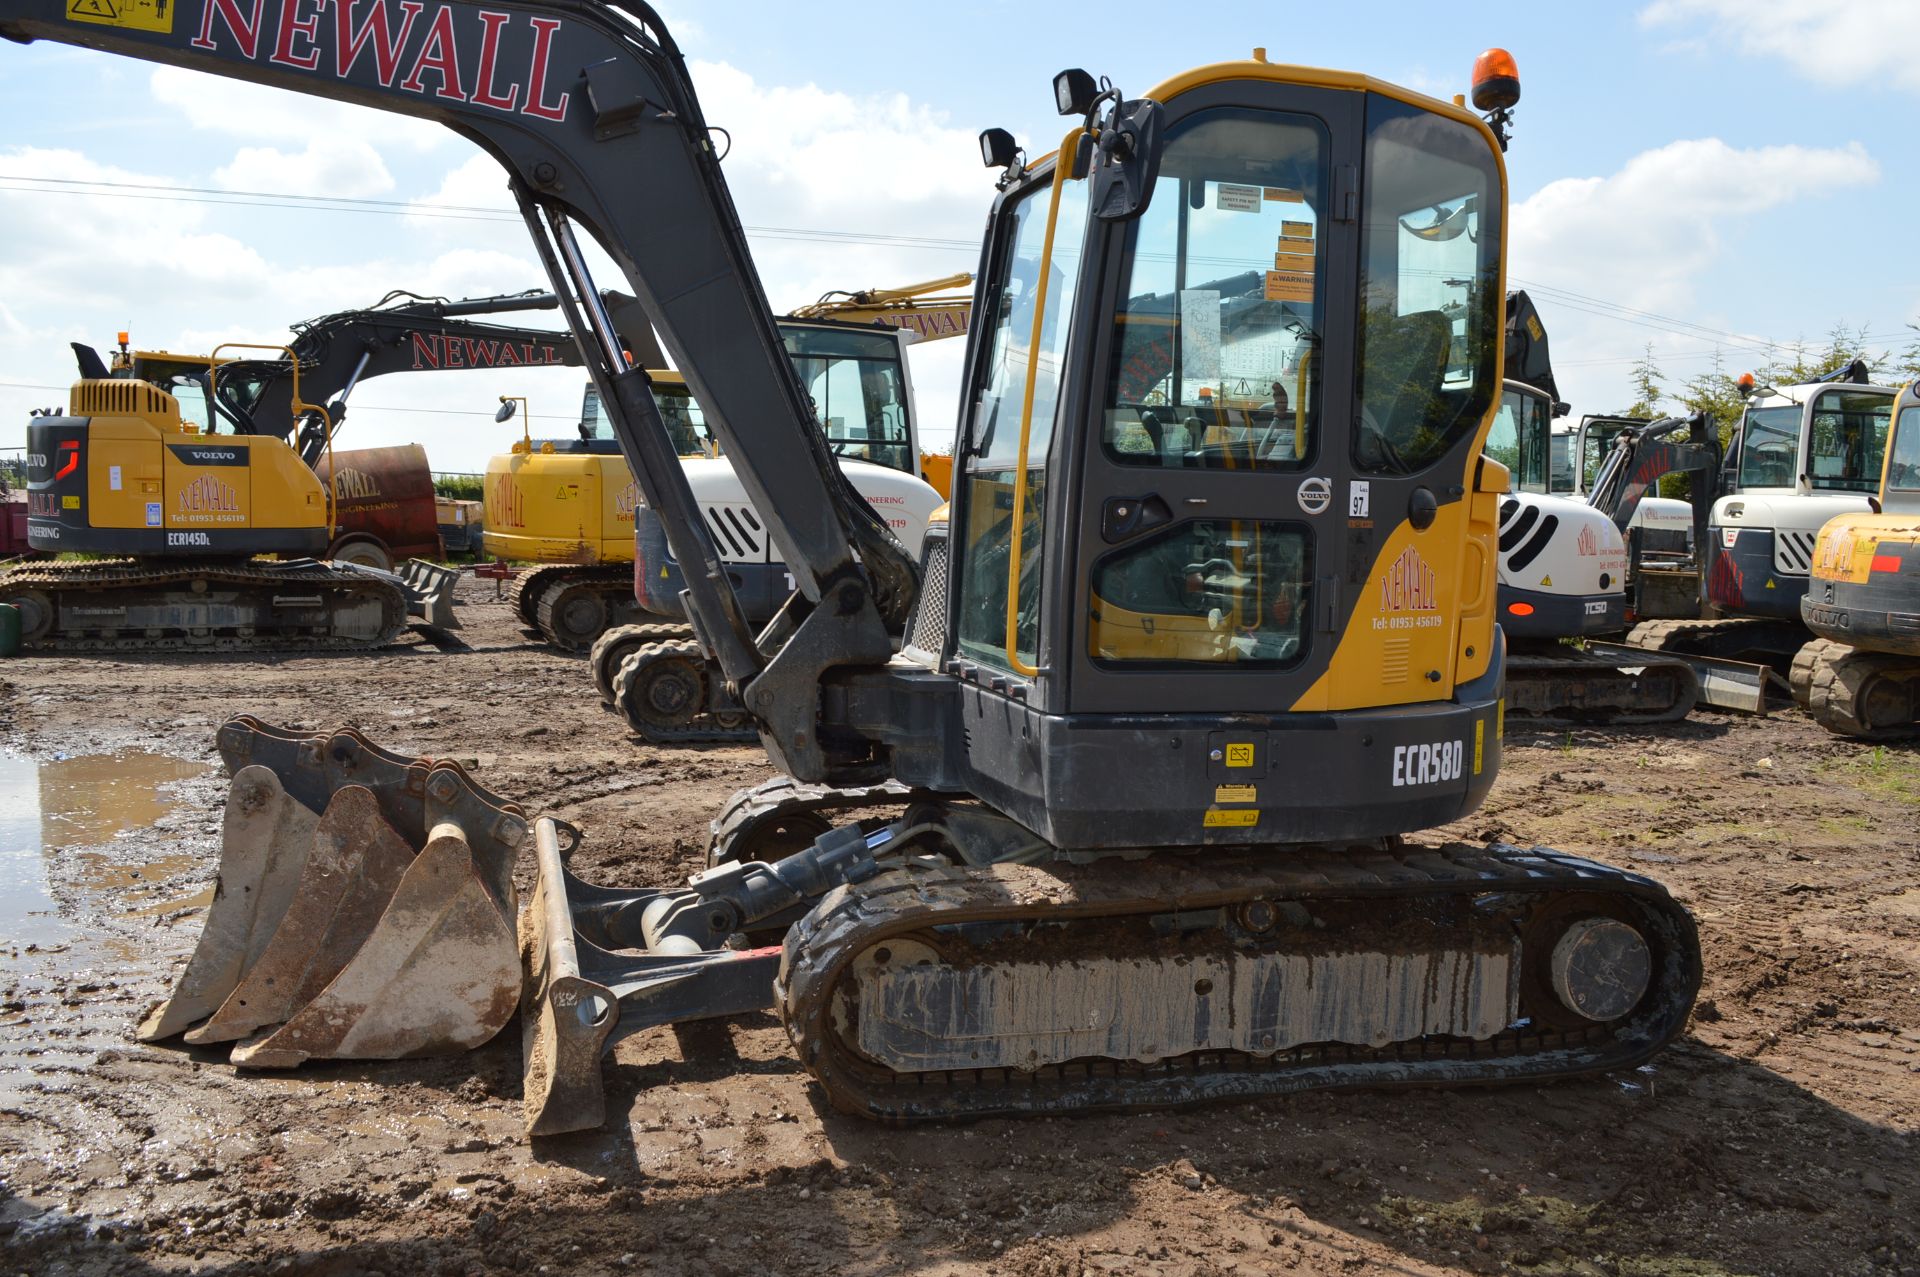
x=1778, y=1137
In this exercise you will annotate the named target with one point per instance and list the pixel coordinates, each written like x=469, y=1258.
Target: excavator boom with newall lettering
x=1183, y=681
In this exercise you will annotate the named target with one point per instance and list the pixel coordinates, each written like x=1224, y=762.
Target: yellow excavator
x=1861, y=674
x=1042, y=860
x=175, y=520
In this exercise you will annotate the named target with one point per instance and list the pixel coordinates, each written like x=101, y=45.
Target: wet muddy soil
x=1776, y=1138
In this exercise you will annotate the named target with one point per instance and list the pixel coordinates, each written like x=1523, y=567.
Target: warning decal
x=137, y=15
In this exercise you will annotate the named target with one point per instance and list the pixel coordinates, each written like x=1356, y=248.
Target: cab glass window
x=1431, y=309
x=1849, y=440
x=1769, y=446
x=992, y=483
x=1214, y=362
x=859, y=393
x=1519, y=437
x=686, y=424
x=1903, y=467
x=1207, y=591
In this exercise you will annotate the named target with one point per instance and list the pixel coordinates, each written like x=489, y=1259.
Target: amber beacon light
x=1496, y=89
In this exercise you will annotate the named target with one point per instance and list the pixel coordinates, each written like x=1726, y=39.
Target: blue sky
x=1691, y=173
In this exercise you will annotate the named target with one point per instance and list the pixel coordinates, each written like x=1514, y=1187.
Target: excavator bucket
x=364, y=908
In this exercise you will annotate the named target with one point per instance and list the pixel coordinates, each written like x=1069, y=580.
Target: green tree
x=1646, y=387
x=1716, y=393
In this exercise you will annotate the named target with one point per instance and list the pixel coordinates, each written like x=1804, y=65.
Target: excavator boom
x=403, y=332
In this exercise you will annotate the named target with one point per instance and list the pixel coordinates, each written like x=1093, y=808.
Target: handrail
x=1060, y=177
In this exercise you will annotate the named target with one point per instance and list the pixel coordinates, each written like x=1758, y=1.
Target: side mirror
x=1074, y=92
x=1126, y=161
x=1562, y=409
x=506, y=410
x=997, y=148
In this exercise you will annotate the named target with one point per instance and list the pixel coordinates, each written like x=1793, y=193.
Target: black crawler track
x=85, y=595
x=820, y=951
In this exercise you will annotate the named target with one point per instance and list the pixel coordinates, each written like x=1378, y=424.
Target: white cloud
x=80, y=266
x=237, y=108
x=1832, y=42
x=345, y=167
x=1644, y=237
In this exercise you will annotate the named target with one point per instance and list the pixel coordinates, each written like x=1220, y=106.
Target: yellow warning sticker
x=1245, y=818
x=136, y=15
x=1297, y=230
x=1240, y=755
x=1769, y=583
x=69, y=503
x=1500, y=721
x=1479, y=743
x=1285, y=194
x=663, y=574
x=1533, y=327
x=1236, y=794
x=1289, y=286
x=1547, y=581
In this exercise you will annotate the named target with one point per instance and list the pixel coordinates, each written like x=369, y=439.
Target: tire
x=362, y=551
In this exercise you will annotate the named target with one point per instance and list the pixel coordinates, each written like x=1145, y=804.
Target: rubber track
x=1548, y=668
x=754, y=811
x=1835, y=675
x=601, y=658
x=615, y=581
x=1698, y=637
x=56, y=578
x=702, y=729
x=852, y=918
x=524, y=591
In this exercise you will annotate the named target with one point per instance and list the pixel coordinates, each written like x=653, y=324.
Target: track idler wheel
x=37, y=613
x=1600, y=969
x=662, y=686
x=572, y=616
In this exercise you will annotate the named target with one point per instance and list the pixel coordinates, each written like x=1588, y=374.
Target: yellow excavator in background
x=1038, y=862
x=175, y=518
x=571, y=505
x=1861, y=674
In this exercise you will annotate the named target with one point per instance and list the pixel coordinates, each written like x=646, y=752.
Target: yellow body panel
x=937, y=469
x=1847, y=544
x=146, y=470
x=560, y=507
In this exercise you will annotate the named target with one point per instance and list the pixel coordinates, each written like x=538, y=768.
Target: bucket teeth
x=365, y=906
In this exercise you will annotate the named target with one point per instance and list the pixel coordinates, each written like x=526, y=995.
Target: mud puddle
x=92, y=851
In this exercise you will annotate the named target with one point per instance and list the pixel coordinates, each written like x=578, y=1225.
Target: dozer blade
x=331, y=936
x=582, y=996
x=430, y=593
x=263, y=845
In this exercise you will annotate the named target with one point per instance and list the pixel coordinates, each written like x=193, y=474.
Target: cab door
x=1280, y=429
